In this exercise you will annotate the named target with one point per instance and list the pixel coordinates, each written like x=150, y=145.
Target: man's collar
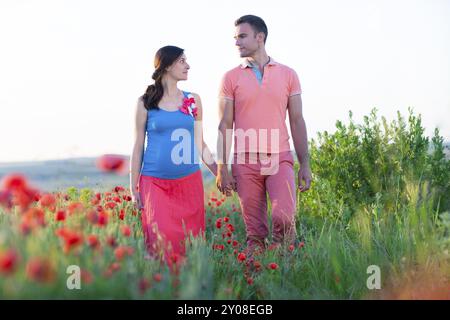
x=248, y=64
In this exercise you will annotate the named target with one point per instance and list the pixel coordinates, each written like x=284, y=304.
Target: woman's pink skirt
x=172, y=210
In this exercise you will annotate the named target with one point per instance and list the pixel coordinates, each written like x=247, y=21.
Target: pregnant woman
x=165, y=178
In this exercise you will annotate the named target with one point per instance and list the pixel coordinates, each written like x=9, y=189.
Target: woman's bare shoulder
x=140, y=105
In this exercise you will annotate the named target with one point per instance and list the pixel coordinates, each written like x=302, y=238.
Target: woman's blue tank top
x=170, y=151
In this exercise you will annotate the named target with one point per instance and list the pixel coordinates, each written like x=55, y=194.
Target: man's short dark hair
x=255, y=22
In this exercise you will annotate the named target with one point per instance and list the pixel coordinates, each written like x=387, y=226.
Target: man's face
x=246, y=40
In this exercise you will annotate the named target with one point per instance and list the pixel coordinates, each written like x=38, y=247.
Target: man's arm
x=226, y=118
x=300, y=139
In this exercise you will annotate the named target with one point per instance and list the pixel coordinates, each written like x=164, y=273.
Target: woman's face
x=179, y=69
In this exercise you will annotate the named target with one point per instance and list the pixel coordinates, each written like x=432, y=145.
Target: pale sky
x=71, y=71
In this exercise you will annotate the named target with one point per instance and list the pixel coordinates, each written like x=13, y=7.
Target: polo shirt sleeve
x=226, y=87
x=294, y=84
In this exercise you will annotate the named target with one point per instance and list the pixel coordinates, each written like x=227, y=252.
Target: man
x=254, y=97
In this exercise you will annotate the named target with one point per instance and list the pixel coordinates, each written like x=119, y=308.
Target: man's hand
x=225, y=182
x=304, y=174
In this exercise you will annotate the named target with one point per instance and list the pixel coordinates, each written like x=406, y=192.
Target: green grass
x=379, y=197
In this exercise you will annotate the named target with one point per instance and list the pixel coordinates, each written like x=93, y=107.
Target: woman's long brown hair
x=164, y=58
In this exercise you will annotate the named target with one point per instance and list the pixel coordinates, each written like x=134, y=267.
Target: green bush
x=358, y=164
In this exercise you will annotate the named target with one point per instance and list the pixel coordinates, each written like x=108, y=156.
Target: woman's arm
x=206, y=154
x=138, y=147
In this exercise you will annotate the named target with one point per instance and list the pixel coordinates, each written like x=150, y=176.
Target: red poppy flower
x=60, y=215
x=6, y=199
x=35, y=217
x=25, y=228
x=274, y=246
x=115, y=266
x=257, y=265
x=92, y=241
x=143, y=285
x=24, y=197
x=86, y=276
x=117, y=200
x=118, y=189
x=14, y=181
x=110, y=205
x=157, y=277
x=102, y=219
x=230, y=227
x=219, y=223
x=92, y=216
x=75, y=207
x=47, y=200
x=72, y=239
x=112, y=163
x=121, y=251
x=273, y=266
x=175, y=258
x=95, y=201
x=126, y=231
x=40, y=270
x=111, y=241
x=8, y=261
x=241, y=257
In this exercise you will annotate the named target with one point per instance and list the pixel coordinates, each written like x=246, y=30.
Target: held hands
x=225, y=182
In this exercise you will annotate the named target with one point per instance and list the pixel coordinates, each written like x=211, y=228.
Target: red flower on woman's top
x=189, y=106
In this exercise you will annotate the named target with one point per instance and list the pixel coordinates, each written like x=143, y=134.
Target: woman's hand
x=136, y=200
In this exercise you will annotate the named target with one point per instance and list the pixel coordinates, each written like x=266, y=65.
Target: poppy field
x=374, y=225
